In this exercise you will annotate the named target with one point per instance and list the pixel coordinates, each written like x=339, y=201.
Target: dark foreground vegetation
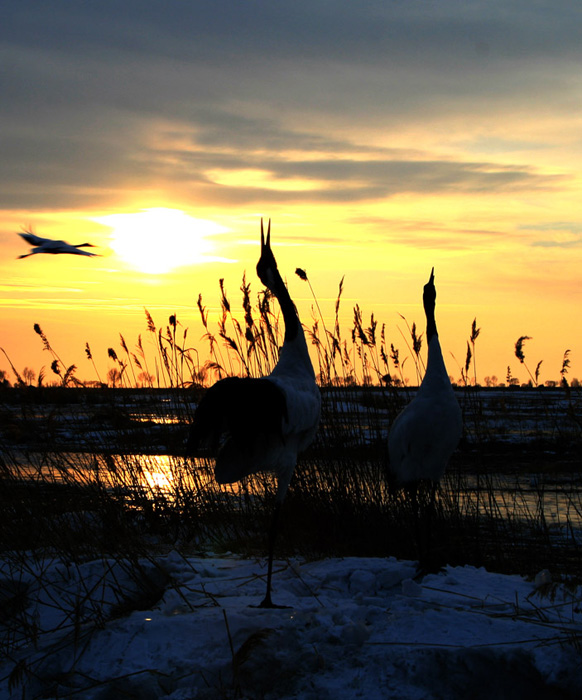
x=86, y=471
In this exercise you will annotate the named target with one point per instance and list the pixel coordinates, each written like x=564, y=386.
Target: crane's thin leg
x=421, y=528
x=433, y=539
x=413, y=495
x=430, y=518
x=267, y=602
x=426, y=516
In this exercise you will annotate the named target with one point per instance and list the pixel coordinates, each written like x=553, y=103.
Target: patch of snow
x=184, y=627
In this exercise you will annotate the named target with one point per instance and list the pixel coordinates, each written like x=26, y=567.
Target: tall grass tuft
x=521, y=357
x=473, y=339
x=68, y=375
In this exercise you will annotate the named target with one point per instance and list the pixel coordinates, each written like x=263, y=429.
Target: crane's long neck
x=436, y=371
x=431, y=329
x=294, y=354
x=292, y=324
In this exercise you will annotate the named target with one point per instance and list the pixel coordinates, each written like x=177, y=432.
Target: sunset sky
x=381, y=138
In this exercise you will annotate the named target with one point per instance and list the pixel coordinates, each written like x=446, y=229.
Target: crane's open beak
x=266, y=243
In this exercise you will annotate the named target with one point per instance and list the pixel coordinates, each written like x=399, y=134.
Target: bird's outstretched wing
x=33, y=239
x=238, y=419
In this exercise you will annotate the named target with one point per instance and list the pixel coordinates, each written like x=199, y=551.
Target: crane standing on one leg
x=266, y=421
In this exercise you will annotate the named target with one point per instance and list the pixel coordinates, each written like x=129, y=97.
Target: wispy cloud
x=104, y=305
x=557, y=234
x=37, y=289
x=427, y=233
x=563, y=235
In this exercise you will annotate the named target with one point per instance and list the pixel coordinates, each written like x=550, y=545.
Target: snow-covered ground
x=353, y=628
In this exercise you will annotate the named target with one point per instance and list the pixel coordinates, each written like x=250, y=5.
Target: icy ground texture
x=354, y=628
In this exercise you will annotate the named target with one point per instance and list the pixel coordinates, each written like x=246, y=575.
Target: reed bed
x=98, y=471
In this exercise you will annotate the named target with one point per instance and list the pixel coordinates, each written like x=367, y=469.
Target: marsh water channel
x=556, y=498
x=519, y=458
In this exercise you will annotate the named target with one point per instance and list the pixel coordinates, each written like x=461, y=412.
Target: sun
x=158, y=240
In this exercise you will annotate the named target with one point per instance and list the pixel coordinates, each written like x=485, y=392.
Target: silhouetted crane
x=427, y=431
x=265, y=422
x=52, y=247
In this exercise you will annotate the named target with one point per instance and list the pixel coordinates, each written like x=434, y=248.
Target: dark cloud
x=85, y=86
x=352, y=174
x=227, y=29
x=53, y=169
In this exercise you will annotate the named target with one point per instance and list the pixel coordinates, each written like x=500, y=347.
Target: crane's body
x=427, y=431
x=262, y=424
x=52, y=247
x=425, y=434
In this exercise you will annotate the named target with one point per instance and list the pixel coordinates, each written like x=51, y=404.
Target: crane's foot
x=268, y=603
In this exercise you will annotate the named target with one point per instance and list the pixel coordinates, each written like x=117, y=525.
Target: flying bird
x=425, y=434
x=262, y=424
x=48, y=245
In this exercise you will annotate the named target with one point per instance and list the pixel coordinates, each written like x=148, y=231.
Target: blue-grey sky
x=426, y=132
